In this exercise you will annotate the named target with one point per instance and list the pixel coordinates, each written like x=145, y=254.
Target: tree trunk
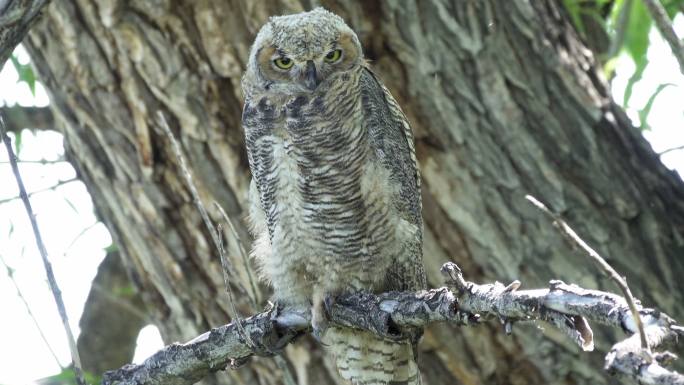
x=504, y=99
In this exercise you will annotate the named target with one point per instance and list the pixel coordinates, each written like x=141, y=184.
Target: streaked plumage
x=335, y=194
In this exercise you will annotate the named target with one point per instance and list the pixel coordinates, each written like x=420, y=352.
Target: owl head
x=296, y=53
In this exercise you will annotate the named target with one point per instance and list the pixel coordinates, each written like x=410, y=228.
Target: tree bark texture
x=504, y=99
x=16, y=18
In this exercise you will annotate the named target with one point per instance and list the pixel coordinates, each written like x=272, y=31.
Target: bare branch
x=245, y=260
x=395, y=315
x=625, y=358
x=217, y=237
x=202, y=210
x=32, y=193
x=678, y=148
x=607, y=269
x=57, y=294
x=19, y=117
x=664, y=25
x=16, y=19
x=10, y=274
x=42, y=162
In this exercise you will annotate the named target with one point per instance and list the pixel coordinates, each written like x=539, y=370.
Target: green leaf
x=636, y=44
x=26, y=74
x=17, y=142
x=644, y=112
x=67, y=377
x=672, y=7
x=636, y=34
x=635, y=78
x=127, y=291
x=609, y=67
x=71, y=204
x=30, y=78
x=15, y=63
x=574, y=8
x=615, y=11
x=111, y=248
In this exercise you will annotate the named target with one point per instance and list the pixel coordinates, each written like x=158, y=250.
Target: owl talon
x=328, y=303
x=319, y=317
x=319, y=324
x=318, y=333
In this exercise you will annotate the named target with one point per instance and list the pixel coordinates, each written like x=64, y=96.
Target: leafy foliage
x=643, y=113
x=628, y=24
x=25, y=72
x=67, y=377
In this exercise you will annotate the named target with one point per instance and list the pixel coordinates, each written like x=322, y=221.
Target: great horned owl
x=335, y=194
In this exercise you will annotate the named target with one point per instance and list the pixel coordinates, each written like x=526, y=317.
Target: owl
x=335, y=201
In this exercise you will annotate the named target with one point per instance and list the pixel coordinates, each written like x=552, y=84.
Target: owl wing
x=259, y=118
x=392, y=139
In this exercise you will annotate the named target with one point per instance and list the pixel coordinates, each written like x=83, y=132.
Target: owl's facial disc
x=305, y=71
x=303, y=67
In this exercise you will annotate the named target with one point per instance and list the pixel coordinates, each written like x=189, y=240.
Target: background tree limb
x=16, y=18
x=664, y=25
x=18, y=117
x=54, y=287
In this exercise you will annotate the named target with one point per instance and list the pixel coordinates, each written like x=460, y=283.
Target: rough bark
x=396, y=315
x=16, y=18
x=505, y=101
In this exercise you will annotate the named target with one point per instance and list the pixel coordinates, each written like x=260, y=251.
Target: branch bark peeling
x=396, y=315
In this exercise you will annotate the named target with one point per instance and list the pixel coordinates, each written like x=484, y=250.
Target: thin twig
x=226, y=283
x=664, y=25
x=41, y=161
x=215, y=236
x=15, y=21
x=569, y=233
x=245, y=260
x=57, y=294
x=10, y=274
x=18, y=118
x=77, y=237
x=32, y=193
x=218, y=243
x=288, y=379
x=671, y=150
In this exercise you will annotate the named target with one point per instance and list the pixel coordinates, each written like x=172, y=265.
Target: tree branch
x=217, y=237
x=17, y=118
x=395, y=315
x=56, y=293
x=20, y=294
x=16, y=18
x=678, y=148
x=664, y=25
x=605, y=267
x=32, y=193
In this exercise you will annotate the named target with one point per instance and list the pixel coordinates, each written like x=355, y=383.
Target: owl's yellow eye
x=283, y=62
x=333, y=56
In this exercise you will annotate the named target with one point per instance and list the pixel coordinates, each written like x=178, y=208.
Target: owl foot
x=320, y=320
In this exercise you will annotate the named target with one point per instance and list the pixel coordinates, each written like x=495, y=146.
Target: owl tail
x=365, y=359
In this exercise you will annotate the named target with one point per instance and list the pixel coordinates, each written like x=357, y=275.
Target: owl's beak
x=310, y=78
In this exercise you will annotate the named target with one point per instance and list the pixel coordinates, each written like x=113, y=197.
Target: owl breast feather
x=326, y=196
